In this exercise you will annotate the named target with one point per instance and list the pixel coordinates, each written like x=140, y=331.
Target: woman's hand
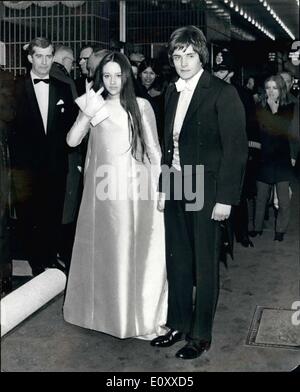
x=273, y=105
x=93, y=101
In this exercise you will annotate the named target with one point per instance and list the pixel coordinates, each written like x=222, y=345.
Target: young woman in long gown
x=117, y=280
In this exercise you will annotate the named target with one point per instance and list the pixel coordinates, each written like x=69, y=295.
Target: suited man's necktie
x=35, y=81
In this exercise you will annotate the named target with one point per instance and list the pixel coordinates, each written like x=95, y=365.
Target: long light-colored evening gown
x=117, y=281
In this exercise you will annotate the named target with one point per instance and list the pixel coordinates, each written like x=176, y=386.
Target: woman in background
x=276, y=122
x=150, y=86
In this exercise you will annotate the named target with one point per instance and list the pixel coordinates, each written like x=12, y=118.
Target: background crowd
x=272, y=111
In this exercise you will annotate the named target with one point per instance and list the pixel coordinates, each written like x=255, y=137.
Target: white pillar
x=122, y=9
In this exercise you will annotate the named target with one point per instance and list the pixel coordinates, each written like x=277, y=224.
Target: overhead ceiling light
x=249, y=18
x=279, y=21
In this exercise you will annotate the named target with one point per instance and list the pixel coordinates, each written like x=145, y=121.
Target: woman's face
x=112, y=78
x=272, y=90
x=250, y=83
x=147, y=77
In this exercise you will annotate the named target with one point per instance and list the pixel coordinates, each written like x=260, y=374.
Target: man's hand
x=293, y=161
x=221, y=212
x=161, y=201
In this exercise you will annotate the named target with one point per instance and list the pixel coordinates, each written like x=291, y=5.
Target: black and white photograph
x=149, y=189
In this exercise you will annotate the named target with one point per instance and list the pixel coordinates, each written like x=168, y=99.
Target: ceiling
x=287, y=11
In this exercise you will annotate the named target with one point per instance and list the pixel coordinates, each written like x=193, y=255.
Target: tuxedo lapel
x=52, y=105
x=198, y=97
x=36, y=114
x=171, y=106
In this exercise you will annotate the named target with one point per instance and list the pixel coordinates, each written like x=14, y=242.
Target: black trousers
x=192, y=254
x=40, y=215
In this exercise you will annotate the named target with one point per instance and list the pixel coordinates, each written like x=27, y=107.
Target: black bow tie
x=35, y=81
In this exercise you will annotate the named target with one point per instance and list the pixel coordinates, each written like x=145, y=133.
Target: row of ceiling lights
x=276, y=17
x=249, y=18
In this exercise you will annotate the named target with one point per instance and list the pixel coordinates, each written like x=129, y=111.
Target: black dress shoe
x=245, y=242
x=193, y=349
x=279, y=236
x=168, y=339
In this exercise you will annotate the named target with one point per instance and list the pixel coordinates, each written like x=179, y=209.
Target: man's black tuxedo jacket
x=33, y=150
x=213, y=134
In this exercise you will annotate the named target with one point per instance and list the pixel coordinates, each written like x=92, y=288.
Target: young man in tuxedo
x=45, y=112
x=200, y=132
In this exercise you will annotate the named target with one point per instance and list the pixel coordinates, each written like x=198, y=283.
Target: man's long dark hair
x=186, y=36
x=127, y=99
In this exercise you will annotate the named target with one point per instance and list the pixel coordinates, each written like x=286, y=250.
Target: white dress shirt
x=41, y=90
x=186, y=88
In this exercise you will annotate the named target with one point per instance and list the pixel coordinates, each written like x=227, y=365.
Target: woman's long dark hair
x=127, y=99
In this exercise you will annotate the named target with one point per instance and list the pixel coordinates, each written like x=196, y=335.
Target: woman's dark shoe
x=193, y=349
x=279, y=236
x=168, y=339
x=254, y=233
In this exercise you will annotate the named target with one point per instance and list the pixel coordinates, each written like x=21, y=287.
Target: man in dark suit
x=61, y=69
x=204, y=139
x=45, y=113
x=85, y=53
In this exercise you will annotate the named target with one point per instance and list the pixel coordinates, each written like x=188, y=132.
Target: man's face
x=84, y=55
x=41, y=60
x=250, y=84
x=92, y=64
x=187, y=62
x=68, y=62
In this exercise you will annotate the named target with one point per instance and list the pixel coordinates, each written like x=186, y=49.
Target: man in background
x=85, y=53
x=61, y=70
x=45, y=112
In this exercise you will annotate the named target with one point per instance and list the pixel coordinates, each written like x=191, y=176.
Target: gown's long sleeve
x=79, y=129
x=152, y=145
x=150, y=132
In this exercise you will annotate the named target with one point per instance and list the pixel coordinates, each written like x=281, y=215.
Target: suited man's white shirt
x=41, y=90
x=186, y=89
